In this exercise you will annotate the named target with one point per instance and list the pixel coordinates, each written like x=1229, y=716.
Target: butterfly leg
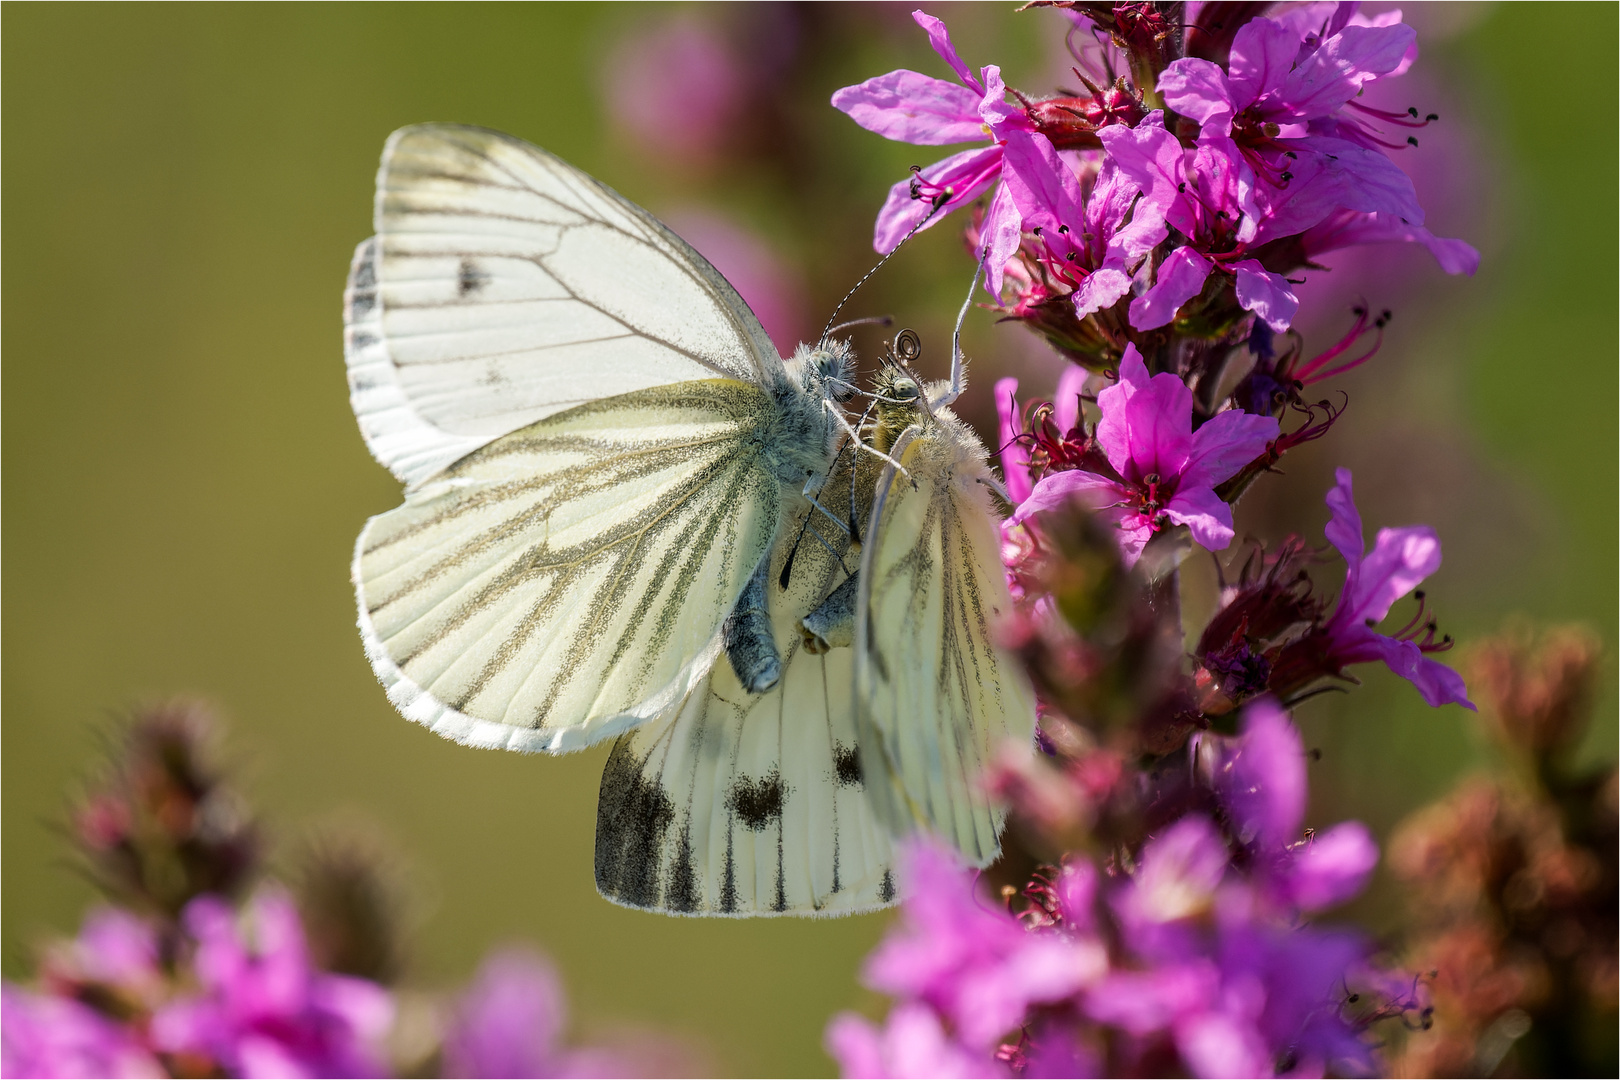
x=747, y=633
x=832, y=625
x=850, y=428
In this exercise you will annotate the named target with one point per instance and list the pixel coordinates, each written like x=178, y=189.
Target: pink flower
x=1162, y=471
x=262, y=1008
x=1279, y=104
x=1094, y=244
x=911, y=1043
x=908, y=106
x=1261, y=783
x=675, y=88
x=971, y=960
x=51, y=1035
x=1209, y=196
x=1400, y=560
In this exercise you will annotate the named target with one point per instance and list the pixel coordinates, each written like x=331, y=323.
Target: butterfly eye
x=905, y=390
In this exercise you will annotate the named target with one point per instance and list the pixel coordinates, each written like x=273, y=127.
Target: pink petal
x=940, y=39
x=1219, y=1044
x=1349, y=228
x=1002, y=118
x=1154, y=160
x=1042, y=185
x=1333, y=867
x=1146, y=424
x=1066, y=401
x=1263, y=52
x=1001, y=233
x=1014, y=455
x=1266, y=294
x=1101, y=289
x=1368, y=180
x=1226, y=443
x=1344, y=526
x=968, y=174
x=1346, y=62
x=910, y=107
x=1398, y=563
x=1180, y=278
x=1206, y=516
x=1056, y=489
x=1438, y=684
x=1197, y=90
x=1262, y=782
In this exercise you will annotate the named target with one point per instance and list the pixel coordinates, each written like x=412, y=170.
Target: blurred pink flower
x=50, y=1035
x=262, y=1008
x=674, y=88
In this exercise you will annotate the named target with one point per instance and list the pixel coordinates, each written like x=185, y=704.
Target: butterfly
x=612, y=527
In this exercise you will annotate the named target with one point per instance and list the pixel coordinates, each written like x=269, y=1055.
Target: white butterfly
x=608, y=468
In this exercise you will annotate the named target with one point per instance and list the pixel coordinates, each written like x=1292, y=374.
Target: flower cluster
x=1189, y=960
x=191, y=974
x=1176, y=199
x=1148, y=230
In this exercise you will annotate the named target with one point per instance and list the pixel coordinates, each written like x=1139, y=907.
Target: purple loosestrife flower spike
x=1399, y=561
x=908, y=106
x=1164, y=471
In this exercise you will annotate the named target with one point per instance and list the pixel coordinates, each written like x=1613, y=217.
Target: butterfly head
x=825, y=369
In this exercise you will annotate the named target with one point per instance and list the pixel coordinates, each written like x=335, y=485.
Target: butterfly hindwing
x=570, y=579
x=739, y=804
x=504, y=286
x=934, y=696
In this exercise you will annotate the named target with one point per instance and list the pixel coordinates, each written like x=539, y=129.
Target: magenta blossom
x=676, y=88
x=908, y=106
x=1400, y=560
x=1162, y=471
x=1093, y=245
x=1350, y=228
x=52, y=1035
x=912, y=1043
x=1237, y=992
x=1208, y=195
x=970, y=959
x=1279, y=105
x=1261, y=783
x=262, y=1008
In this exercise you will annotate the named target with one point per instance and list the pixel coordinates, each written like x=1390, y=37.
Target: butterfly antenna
x=956, y=337
x=939, y=202
x=880, y=320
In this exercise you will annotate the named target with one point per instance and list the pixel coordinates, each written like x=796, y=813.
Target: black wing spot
x=469, y=279
x=886, y=887
x=757, y=802
x=847, y=765
x=632, y=815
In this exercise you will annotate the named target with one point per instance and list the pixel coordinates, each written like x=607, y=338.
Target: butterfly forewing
x=739, y=804
x=504, y=286
x=569, y=579
x=934, y=697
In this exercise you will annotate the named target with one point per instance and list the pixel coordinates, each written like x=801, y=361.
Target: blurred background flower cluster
x=184, y=482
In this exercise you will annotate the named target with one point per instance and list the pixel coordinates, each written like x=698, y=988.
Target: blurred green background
x=183, y=481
